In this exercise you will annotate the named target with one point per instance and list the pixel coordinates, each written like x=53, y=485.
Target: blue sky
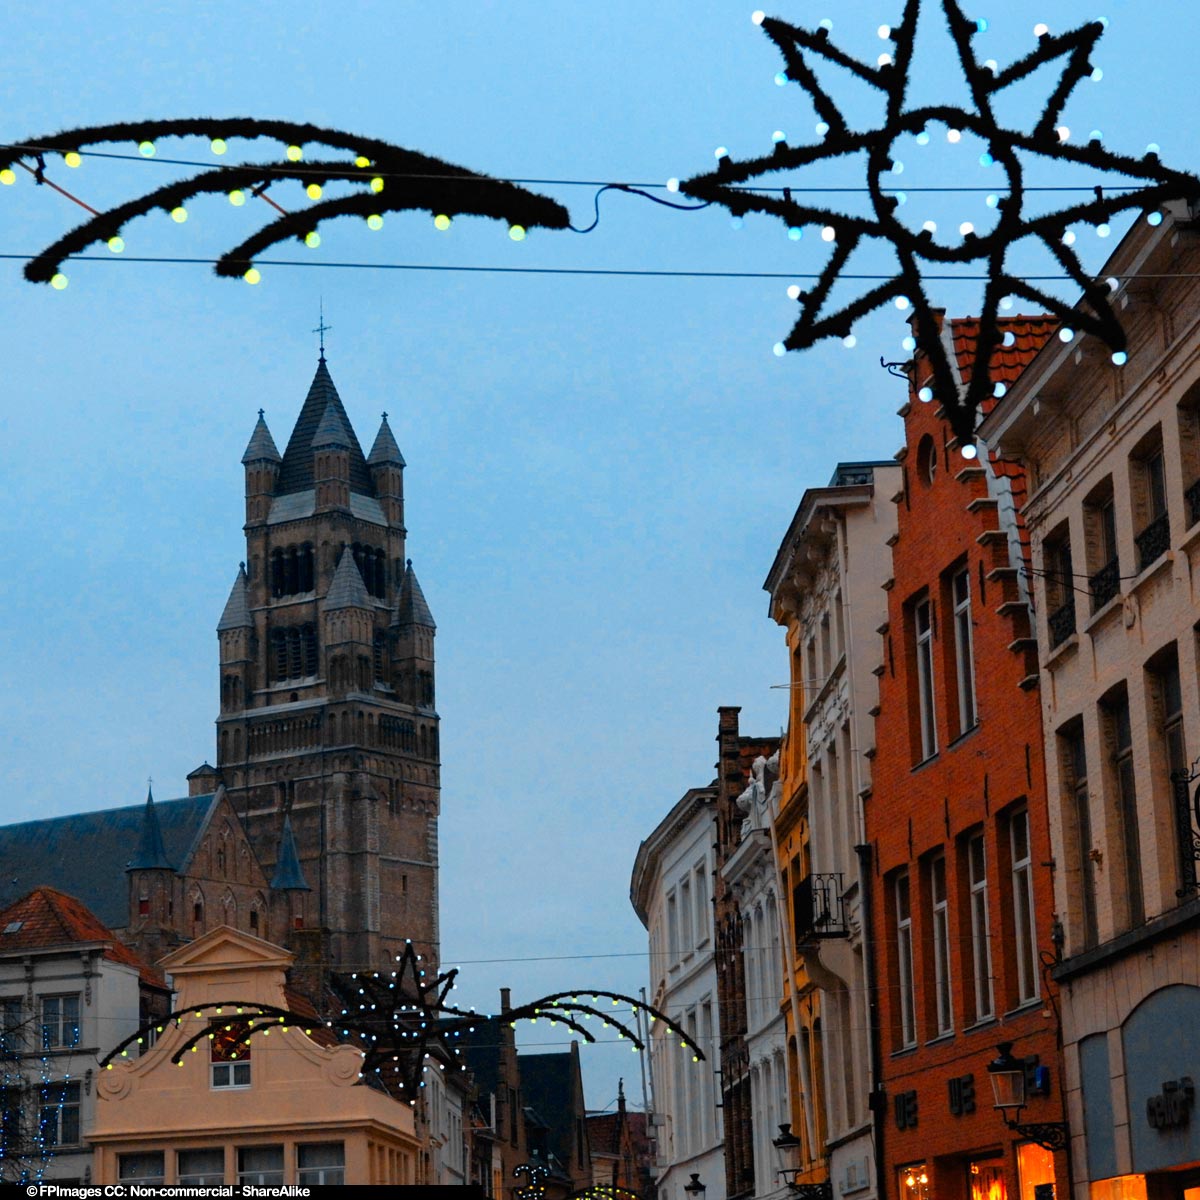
x=600, y=469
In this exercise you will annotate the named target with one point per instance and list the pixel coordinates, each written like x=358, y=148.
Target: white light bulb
x=1153, y=148
x=795, y=233
x=992, y=65
x=828, y=233
x=925, y=395
x=999, y=390
x=901, y=198
x=1095, y=136
x=1068, y=238
x=821, y=128
x=1040, y=30
x=930, y=227
x=923, y=138
x=758, y=16
x=793, y=292
x=884, y=60
x=1120, y=358
x=965, y=228
x=909, y=343
x=885, y=32
x=901, y=302
x=720, y=152
x=897, y=167
x=992, y=200
x=781, y=78
x=1010, y=339
x=779, y=349
x=672, y=184
x=1113, y=283
x=1097, y=75
x=1154, y=218
x=849, y=341
x=826, y=24
x=954, y=135
x=1103, y=231
x=970, y=450
x=1006, y=302
x=778, y=136
x=1063, y=132
x=1066, y=335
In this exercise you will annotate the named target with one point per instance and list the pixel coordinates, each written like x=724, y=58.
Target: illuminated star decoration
x=381, y=178
x=891, y=76
x=400, y=1020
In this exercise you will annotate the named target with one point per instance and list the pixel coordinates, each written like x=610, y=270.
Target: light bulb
x=1006, y=302
x=758, y=16
x=8, y=177
x=821, y=128
x=954, y=135
x=1103, y=231
x=779, y=349
x=778, y=136
x=999, y=390
x=516, y=232
x=970, y=451
x=1068, y=238
x=826, y=24
x=849, y=341
x=986, y=160
x=884, y=31
x=237, y=198
x=1119, y=358
x=965, y=228
x=294, y=154
x=795, y=233
x=1113, y=283
x=923, y=138
x=442, y=222
x=1096, y=75
x=362, y=161
x=1095, y=136
x=925, y=395
x=735, y=222
x=672, y=184
x=1040, y=30
x=908, y=343
x=884, y=60
x=72, y=159
x=1154, y=218
x=793, y=292
x=146, y=149
x=1010, y=338
x=1063, y=132
x=312, y=240
x=314, y=191
x=828, y=233
x=1153, y=148
x=981, y=25
x=992, y=200
x=59, y=281
x=217, y=146
x=721, y=152
x=1066, y=335
x=901, y=302
x=252, y=275
x=781, y=78
x=179, y=214
x=897, y=167
x=901, y=197
x=992, y=65
x=116, y=244
x=930, y=227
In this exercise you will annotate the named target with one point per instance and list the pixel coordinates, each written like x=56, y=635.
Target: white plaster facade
x=671, y=891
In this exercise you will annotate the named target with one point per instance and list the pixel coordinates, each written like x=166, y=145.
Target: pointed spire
x=347, y=589
x=151, y=853
x=411, y=608
x=296, y=471
x=261, y=447
x=237, y=607
x=289, y=876
x=385, y=449
x=332, y=430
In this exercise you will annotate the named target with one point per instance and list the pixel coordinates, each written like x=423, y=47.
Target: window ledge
x=924, y=762
x=1102, y=614
x=982, y=1024
x=1143, y=577
x=1059, y=652
x=905, y=1051
x=1024, y=1007
x=962, y=737
x=1190, y=537
x=941, y=1039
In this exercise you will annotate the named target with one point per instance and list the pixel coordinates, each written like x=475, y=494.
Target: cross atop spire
x=322, y=329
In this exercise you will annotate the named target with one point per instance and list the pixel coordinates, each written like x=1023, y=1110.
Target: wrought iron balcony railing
x=1153, y=541
x=1062, y=623
x=1105, y=584
x=818, y=910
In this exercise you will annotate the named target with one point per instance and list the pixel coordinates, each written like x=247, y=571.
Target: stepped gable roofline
x=332, y=431
x=261, y=447
x=296, y=469
x=289, y=876
x=347, y=589
x=385, y=449
x=236, y=614
x=151, y=853
x=46, y=918
x=411, y=606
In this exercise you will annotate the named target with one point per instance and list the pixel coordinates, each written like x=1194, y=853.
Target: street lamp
x=695, y=1189
x=787, y=1147
x=1007, y=1074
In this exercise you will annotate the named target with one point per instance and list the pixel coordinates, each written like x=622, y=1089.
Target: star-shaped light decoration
x=891, y=76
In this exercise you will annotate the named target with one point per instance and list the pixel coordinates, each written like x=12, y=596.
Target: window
x=926, y=459
x=1024, y=926
x=60, y=1022
x=1189, y=451
x=201, y=1167
x=940, y=929
x=230, y=1053
x=1168, y=706
x=1079, y=829
x=1119, y=736
x=923, y=618
x=686, y=941
x=1100, y=529
x=11, y=1040
x=142, y=1168
x=981, y=946
x=1149, y=493
x=699, y=892
x=672, y=927
x=963, y=652
x=324, y=1162
x=904, y=960
x=262, y=1165
x=58, y=1113
x=1060, y=586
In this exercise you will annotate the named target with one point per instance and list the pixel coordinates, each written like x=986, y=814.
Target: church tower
x=327, y=721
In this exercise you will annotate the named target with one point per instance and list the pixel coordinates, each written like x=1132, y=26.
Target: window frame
x=256, y=1177
x=1023, y=911
x=195, y=1178
x=1117, y=722
x=905, y=967
x=964, y=650
x=939, y=927
x=926, y=692
x=314, y=1176
x=981, y=942
x=59, y=1024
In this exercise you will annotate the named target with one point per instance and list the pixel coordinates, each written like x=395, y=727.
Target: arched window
x=380, y=588
x=306, y=567
x=291, y=573
x=279, y=660
x=276, y=573
x=309, y=638
x=380, y=646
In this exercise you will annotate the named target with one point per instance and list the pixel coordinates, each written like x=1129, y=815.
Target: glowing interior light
x=1066, y=335
x=721, y=152
x=294, y=153
x=897, y=167
x=59, y=281
x=793, y=292
x=116, y=244
x=72, y=159
x=516, y=232
x=1096, y=75
x=1006, y=302
x=909, y=343
x=314, y=191
x=781, y=78
x=758, y=16
x=1120, y=358
x=146, y=149
x=884, y=60
x=930, y=227
x=1040, y=30
x=778, y=136
x=1068, y=238
x=795, y=233
x=885, y=32
x=217, y=146
x=821, y=128
x=442, y=222
x=954, y=135
x=970, y=451
x=8, y=177
x=1010, y=338
x=252, y=275
x=237, y=198
x=965, y=228
x=1154, y=218
x=925, y=395
x=179, y=214
x=992, y=200
x=779, y=349
x=999, y=390
x=1103, y=231
x=901, y=302
x=312, y=240
x=981, y=25
x=923, y=138
x=826, y=24
x=1063, y=132
x=672, y=184
x=849, y=341
x=828, y=233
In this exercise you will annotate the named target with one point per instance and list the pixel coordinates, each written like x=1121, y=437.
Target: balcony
x=1192, y=498
x=1105, y=584
x=1062, y=623
x=818, y=910
x=1154, y=541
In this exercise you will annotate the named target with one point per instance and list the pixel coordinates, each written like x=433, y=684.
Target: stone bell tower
x=327, y=683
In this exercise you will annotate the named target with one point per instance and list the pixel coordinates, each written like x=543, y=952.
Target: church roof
x=262, y=444
x=332, y=431
x=385, y=449
x=237, y=607
x=347, y=589
x=151, y=853
x=296, y=471
x=88, y=852
x=411, y=608
x=289, y=876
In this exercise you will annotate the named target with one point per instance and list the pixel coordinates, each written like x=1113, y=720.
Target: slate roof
x=262, y=444
x=289, y=876
x=332, y=431
x=546, y=1087
x=237, y=607
x=385, y=449
x=411, y=608
x=347, y=589
x=47, y=917
x=151, y=853
x=481, y=1050
x=296, y=506
x=296, y=471
x=88, y=852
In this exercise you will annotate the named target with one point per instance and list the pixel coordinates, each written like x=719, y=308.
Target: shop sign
x=1172, y=1107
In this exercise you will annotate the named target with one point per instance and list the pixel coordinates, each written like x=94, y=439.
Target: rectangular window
x=1100, y=527
x=230, y=1056
x=324, y=1162
x=1024, y=924
x=1079, y=819
x=1120, y=741
x=940, y=927
x=963, y=651
x=60, y=1022
x=686, y=943
x=923, y=617
x=1168, y=697
x=58, y=1113
x=981, y=942
x=1060, y=586
x=141, y=1168
x=201, y=1168
x=11, y=1040
x=262, y=1165
x=10, y=1121
x=904, y=961
x=1149, y=494
x=672, y=927
x=700, y=893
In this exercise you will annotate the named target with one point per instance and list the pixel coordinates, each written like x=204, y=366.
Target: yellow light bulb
x=377, y=184
x=146, y=149
x=237, y=198
x=314, y=191
x=362, y=162
x=312, y=240
x=441, y=221
x=516, y=232
x=179, y=215
x=72, y=159
x=294, y=153
x=252, y=275
x=116, y=244
x=218, y=145
x=374, y=221
x=8, y=177
x=58, y=282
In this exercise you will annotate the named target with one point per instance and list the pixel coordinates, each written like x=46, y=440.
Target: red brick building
x=963, y=891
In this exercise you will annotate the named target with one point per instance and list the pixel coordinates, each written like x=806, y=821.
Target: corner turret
x=386, y=465
x=331, y=461
x=262, y=461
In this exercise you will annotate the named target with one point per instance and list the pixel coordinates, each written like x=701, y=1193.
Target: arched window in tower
x=276, y=573
x=306, y=567
x=279, y=661
x=291, y=573
x=380, y=649
x=295, y=654
x=380, y=574
x=426, y=682
x=309, y=637
x=237, y=745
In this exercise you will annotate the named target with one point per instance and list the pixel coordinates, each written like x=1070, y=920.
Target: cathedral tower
x=327, y=715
